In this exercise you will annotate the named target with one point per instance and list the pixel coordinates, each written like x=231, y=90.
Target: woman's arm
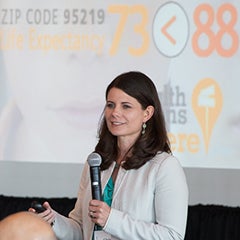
x=71, y=228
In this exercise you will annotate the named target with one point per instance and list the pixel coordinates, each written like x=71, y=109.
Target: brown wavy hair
x=154, y=140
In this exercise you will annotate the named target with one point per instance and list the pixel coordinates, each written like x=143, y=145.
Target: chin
x=116, y=133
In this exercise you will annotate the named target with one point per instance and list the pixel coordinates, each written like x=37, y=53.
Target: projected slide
x=57, y=58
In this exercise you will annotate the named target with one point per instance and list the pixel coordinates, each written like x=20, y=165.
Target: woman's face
x=124, y=115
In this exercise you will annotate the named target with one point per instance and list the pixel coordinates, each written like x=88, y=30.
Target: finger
x=47, y=205
x=32, y=210
x=45, y=213
x=91, y=214
x=94, y=202
x=50, y=218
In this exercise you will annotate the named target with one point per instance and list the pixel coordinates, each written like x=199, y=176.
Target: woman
x=145, y=192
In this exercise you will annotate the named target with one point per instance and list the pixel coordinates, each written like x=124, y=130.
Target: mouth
x=117, y=123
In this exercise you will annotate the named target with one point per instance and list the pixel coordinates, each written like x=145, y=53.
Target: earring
x=143, y=128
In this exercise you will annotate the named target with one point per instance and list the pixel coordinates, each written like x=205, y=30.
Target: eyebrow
x=126, y=103
x=122, y=103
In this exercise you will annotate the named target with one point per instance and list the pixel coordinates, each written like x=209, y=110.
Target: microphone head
x=94, y=160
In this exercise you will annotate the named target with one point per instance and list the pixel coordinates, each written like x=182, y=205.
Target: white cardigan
x=148, y=203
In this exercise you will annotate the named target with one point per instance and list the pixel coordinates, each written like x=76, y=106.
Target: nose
x=116, y=112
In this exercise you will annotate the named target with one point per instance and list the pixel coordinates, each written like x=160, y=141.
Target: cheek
x=106, y=114
x=136, y=120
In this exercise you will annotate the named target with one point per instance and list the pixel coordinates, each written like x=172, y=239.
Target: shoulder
x=165, y=172
x=166, y=164
x=164, y=158
x=85, y=176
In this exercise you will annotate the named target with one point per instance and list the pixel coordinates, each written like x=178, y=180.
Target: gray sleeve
x=71, y=228
x=66, y=228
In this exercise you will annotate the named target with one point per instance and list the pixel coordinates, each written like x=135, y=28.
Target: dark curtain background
x=205, y=222
x=211, y=222
x=9, y=205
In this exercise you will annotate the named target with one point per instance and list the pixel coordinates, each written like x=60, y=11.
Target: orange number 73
x=124, y=11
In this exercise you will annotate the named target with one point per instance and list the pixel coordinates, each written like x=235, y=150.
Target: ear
x=148, y=112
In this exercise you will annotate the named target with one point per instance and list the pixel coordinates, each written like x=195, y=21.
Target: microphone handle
x=96, y=183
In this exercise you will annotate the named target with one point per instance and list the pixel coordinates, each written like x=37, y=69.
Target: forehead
x=116, y=94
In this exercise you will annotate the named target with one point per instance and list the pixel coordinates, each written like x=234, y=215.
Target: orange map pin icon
x=207, y=104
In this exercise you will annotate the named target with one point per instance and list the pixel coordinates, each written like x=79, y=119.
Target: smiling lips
x=116, y=123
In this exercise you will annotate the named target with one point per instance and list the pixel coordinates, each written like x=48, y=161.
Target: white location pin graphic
x=207, y=104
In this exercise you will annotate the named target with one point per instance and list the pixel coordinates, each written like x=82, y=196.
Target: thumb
x=47, y=205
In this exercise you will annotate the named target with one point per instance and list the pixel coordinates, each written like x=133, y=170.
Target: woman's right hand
x=48, y=215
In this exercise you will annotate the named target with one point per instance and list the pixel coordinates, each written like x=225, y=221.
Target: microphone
x=94, y=161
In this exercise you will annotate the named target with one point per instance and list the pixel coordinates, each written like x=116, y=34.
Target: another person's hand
x=48, y=215
x=99, y=212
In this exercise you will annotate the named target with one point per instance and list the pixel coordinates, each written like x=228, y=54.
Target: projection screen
x=57, y=58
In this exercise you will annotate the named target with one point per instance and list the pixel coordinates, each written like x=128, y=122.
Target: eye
x=110, y=105
x=126, y=106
